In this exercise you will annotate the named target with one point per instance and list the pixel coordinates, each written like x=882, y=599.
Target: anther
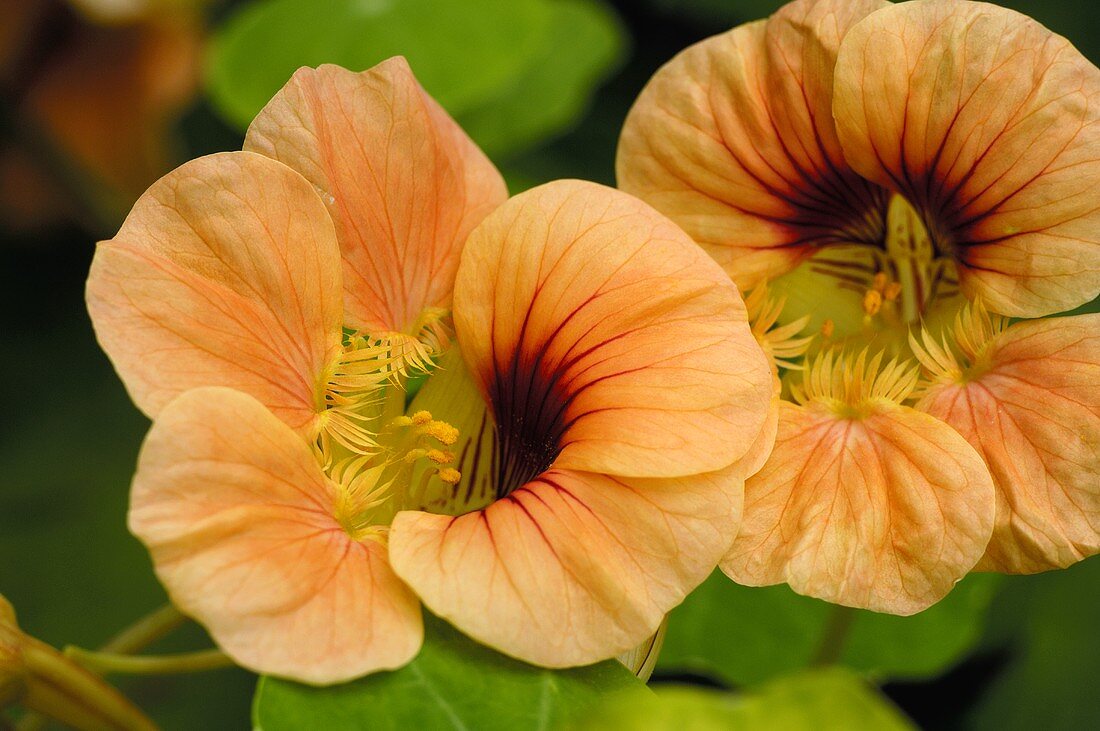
x=872, y=302
x=401, y=422
x=880, y=281
x=450, y=475
x=441, y=431
x=420, y=418
x=440, y=457
x=893, y=290
x=827, y=328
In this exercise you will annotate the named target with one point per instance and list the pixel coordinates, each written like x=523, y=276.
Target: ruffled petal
x=402, y=181
x=594, y=326
x=886, y=512
x=225, y=273
x=572, y=567
x=1034, y=415
x=733, y=139
x=990, y=125
x=239, y=520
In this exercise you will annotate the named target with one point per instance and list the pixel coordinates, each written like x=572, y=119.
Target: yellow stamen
x=439, y=456
x=420, y=418
x=852, y=384
x=879, y=282
x=872, y=302
x=355, y=384
x=827, y=329
x=963, y=352
x=893, y=291
x=781, y=343
x=442, y=432
x=450, y=475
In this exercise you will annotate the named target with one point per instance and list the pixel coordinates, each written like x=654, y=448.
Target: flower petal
x=226, y=273
x=989, y=124
x=733, y=139
x=885, y=512
x=402, y=181
x=594, y=325
x=238, y=518
x=1034, y=416
x=757, y=455
x=572, y=567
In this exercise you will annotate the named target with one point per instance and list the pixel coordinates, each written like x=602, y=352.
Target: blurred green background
x=95, y=105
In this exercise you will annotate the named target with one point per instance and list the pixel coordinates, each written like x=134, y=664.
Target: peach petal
x=989, y=124
x=572, y=567
x=594, y=325
x=757, y=455
x=1034, y=416
x=239, y=520
x=885, y=512
x=733, y=139
x=225, y=273
x=402, y=181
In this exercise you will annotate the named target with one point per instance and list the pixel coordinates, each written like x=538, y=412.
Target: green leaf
x=815, y=700
x=1049, y=622
x=464, y=53
x=454, y=683
x=744, y=635
x=584, y=44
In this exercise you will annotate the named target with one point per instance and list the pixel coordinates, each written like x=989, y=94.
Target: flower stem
x=837, y=629
x=186, y=662
x=147, y=630
x=134, y=638
x=67, y=692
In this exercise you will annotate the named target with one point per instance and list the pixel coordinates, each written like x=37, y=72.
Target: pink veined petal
x=238, y=518
x=402, y=181
x=886, y=512
x=734, y=140
x=225, y=273
x=1034, y=416
x=989, y=124
x=572, y=567
x=596, y=328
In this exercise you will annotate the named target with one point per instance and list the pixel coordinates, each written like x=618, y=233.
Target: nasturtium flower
x=904, y=178
x=587, y=392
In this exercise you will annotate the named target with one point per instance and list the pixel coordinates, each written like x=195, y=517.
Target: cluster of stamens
x=375, y=487
x=897, y=281
x=781, y=344
x=973, y=334
x=367, y=366
x=851, y=383
x=373, y=456
x=882, y=290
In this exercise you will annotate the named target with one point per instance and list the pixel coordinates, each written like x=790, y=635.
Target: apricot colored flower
x=908, y=177
x=556, y=484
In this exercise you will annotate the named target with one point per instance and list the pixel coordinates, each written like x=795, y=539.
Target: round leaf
x=745, y=635
x=463, y=53
x=454, y=683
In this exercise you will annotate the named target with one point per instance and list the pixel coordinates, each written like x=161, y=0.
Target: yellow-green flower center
x=854, y=322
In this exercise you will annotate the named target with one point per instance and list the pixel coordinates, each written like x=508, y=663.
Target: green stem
x=836, y=633
x=187, y=662
x=134, y=638
x=60, y=688
x=144, y=632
